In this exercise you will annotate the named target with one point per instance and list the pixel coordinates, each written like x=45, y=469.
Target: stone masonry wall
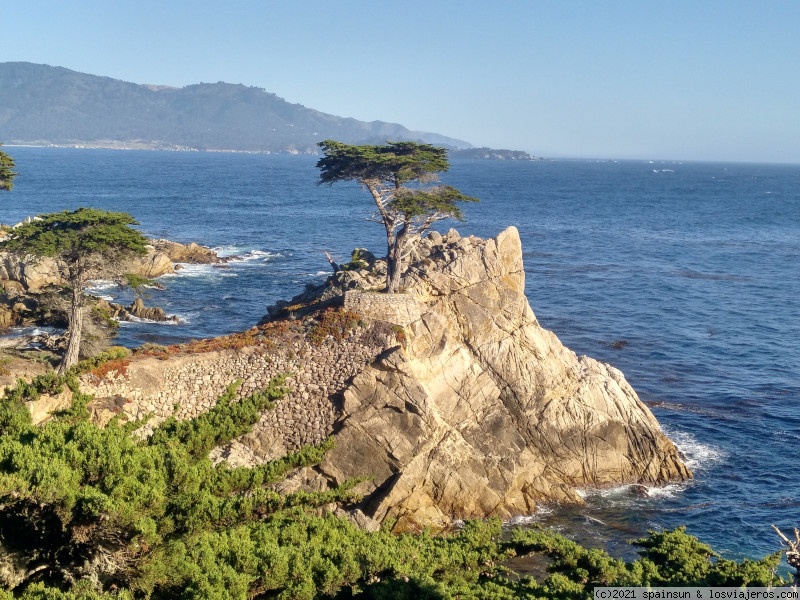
x=398, y=309
x=189, y=385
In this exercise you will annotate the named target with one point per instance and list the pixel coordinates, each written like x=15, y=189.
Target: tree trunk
x=72, y=354
x=394, y=261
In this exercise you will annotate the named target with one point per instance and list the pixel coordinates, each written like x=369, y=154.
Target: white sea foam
x=631, y=493
x=100, y=287
x=101, y=284
x=665, y=491
x=612, y=493
x=133, y=320
x=199, y=272
x=521, y=520
x=256, y=255
x=697, y=455
x=29, y=331
x=225, y=251
x=237, y=254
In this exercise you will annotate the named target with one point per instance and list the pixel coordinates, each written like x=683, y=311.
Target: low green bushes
x=100, y=513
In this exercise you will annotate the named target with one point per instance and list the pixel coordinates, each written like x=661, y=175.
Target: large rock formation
x=450, y=397
x=186, y=253
x=483, y=411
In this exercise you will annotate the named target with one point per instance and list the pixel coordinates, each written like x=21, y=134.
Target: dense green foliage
x=78, y=501
x=6, y=171
x=77, y=238
x=98, y=513
x=396, y=163
x=668, y=559
x=397, y=176
x=84, y=243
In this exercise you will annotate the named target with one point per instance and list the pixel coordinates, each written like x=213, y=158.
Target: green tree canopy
x=6, y=171
x=85, y=243
x=402, y=178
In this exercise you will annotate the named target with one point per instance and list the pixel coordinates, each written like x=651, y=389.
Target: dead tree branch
x=792, y=551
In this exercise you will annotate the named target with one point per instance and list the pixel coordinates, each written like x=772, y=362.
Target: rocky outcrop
x=151, y=265
x=159, y=259
x=25, y=280
x=450, y=397
x=136, y=310
x=33, y=276
x=186, y=253
x=483, y=411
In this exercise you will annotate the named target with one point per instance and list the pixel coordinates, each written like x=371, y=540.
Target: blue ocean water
x=686, y=276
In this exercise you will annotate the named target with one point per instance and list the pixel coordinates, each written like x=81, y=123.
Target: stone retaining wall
x=398, y=309
x=186, y=386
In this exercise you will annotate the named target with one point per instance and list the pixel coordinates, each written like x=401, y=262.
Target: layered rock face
x=484, y=412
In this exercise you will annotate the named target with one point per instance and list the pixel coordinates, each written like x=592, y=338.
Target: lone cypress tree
x=402, y=178
x=85, y=243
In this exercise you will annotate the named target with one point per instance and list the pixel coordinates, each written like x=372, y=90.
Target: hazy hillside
x=43, y=104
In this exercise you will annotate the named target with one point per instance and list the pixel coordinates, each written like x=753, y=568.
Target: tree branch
x=793, y=550
x=334, y=264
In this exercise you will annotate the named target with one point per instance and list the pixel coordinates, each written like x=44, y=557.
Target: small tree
x=85, y=243
x=402, y=178
x=6, y=171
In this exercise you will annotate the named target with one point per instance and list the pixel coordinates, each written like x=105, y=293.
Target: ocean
x=685, y=276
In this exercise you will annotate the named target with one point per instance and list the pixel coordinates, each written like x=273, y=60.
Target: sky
x=667, y=80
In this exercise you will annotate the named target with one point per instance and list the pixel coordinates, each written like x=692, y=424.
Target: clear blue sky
x=694, y=80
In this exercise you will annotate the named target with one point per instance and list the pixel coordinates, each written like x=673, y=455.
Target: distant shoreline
x=458, y=154
x=101, y=145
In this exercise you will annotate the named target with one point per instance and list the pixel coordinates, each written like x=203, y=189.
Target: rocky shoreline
x=449, y=397
x=30, y=289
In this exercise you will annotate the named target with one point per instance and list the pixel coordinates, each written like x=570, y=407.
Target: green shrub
x=100, y=513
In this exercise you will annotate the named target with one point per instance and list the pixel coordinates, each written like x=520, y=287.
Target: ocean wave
x=188, y=270
x=226, y=251
x=665, y=491
x=255, y=255
x=696, y=454
x=540, y=513
x=238, y=254
x=30, y=331
x=134, y=320
x=99, y=288
x=101, y=284
x=630, y=494
x=684, y=407
x=691, y=274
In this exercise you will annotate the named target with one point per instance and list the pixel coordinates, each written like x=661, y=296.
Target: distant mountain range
x=40, y=104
